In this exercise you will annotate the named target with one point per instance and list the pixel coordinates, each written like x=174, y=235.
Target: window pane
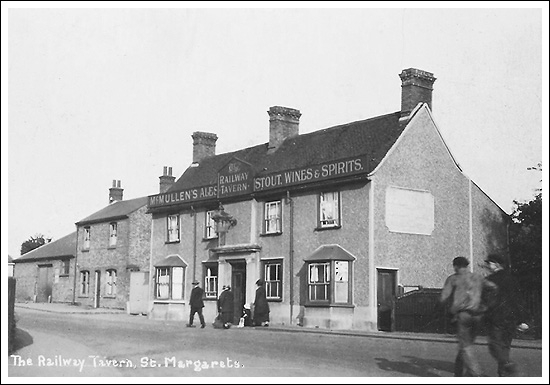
x=329, y=209
x=341, y=292
x=177, y=282
x=163, y=282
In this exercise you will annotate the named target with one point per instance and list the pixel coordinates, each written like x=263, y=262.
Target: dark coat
x=225, y=302
x=261, y=306
x=196, y=300
x=503, y=304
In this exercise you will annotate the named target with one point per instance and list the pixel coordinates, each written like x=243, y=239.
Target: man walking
x=196, y=304
x=503, y=313
x=463, y=290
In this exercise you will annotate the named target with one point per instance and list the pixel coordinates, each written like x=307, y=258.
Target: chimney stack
x=416, y=87
x=283, y=123
x=166, y=180
x=115, y=192
x=204, y=145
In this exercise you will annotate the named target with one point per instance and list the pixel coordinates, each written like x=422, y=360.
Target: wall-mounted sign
x=315, y=173
x=236, y=179
x=409, y=211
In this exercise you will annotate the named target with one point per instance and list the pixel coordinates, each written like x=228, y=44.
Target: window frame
x=170, y=231
x=278, y=218
x=84, y=283
x=111, y=283
x=338, y=210
x=209, y=225
x=113, y=234
x=330, y=285
x=278, y=283
x=211, y=294
x=170, y=283
x=87, y=238
x=65, y=268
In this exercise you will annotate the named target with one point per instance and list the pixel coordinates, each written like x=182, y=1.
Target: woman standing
x=261, y=307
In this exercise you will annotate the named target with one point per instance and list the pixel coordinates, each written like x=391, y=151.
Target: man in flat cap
x=463, y=290
x=504, y=314
x=196, y=304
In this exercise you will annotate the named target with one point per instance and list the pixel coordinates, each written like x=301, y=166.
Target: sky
x=96, y=94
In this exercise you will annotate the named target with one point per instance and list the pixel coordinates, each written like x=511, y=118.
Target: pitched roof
x=118, y=209
x=62, y=247
x=330, y=252
x=372, y=137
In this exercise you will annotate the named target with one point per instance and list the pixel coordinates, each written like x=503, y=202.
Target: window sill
x=63, y=275
x=326, y=304
x=180, y=301
x=274, y=299
x=85, y=250
x=209, y=239
x=328, y=228
x=111, y=247
x=210, y=299
x=271, y=234
x=83, y=296
x=168, y=242
x=109, y=297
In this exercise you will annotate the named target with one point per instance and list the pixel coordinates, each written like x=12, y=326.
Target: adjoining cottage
x=46, y=274
x=113, y=255
x=336, y=221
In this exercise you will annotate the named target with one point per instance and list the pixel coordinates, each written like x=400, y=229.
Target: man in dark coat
x=261, y=306
x=504, y=314
x=196, y=304
x=225, y=306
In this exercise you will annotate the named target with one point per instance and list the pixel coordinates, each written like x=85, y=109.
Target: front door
x=97, y=288
x=386, y=294
x=238, y=286
x=45, y=281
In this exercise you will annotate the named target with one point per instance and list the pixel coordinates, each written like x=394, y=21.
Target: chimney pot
x=416, y=87
x=166, y=180
x=115, y=192
x=283, y=124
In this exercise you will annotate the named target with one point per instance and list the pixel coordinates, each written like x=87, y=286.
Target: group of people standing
x=474, y=299
x=225, y=305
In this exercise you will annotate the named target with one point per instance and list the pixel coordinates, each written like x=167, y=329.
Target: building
x=336, y=221
x=10, y=266
x=46, y=274
x=113, y=255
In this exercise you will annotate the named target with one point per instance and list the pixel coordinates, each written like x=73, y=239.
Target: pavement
x=444, y=338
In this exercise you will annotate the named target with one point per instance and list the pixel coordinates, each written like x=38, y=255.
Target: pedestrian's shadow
x=20, y=340
x=416, y=366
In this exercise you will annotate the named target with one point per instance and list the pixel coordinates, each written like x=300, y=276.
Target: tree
x=33, y=242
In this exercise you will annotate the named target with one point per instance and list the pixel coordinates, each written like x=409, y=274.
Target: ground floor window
x=211, y=280
x=329, y=282
x=111, y=283
x=84, y=282
x=273, y=279
x=169, y=282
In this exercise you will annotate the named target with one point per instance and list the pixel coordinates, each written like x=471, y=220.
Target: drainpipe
x=75, y=268
x=150, y=296
x=194, y=215
x=291, y=254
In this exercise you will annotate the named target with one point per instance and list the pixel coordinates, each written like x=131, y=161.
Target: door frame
x=395, y=272
x=49, y=270
x=97, y=288
x=238, y=266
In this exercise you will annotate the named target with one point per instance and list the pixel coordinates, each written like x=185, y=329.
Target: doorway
x=97, y=288
x=45, y=283
x=238, y=287
x=387, y=286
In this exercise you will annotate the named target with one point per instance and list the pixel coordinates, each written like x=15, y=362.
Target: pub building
x=337, y=221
